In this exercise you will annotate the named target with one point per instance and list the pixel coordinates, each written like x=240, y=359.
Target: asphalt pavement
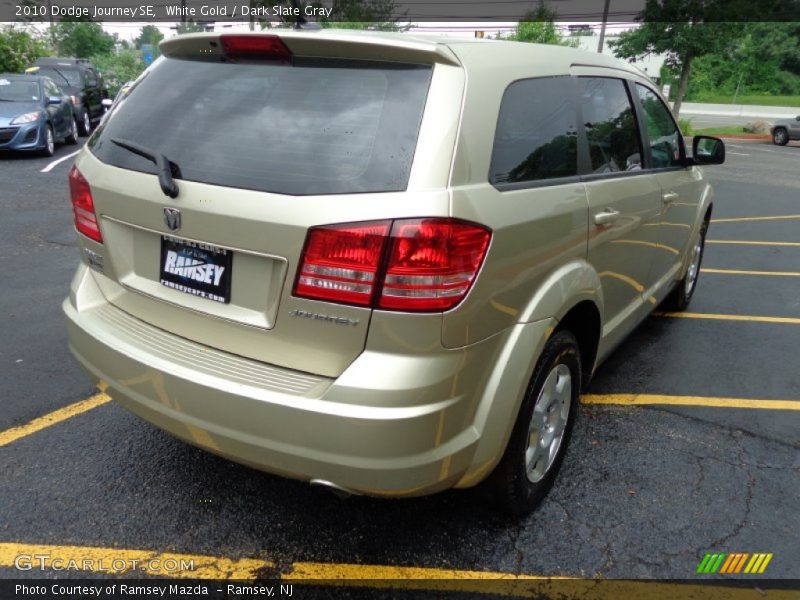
x=646, y=490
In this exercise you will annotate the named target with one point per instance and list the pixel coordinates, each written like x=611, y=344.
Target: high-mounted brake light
x=83, y=206
x=415, y=265
x=255, y=46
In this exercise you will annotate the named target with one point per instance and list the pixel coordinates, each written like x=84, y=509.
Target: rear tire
x=683, y=291
x=541, y=433
x=780, y=137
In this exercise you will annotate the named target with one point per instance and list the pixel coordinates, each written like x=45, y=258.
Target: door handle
x=607, y=216
x=668, y=197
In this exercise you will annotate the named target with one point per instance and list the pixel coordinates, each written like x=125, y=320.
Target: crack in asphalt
x=751, y=434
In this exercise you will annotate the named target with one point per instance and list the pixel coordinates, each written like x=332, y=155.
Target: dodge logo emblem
x=172, y=218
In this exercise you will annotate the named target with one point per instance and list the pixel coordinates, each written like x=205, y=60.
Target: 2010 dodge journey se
x=381, y=263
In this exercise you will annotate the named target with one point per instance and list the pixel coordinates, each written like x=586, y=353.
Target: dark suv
x=80, y=80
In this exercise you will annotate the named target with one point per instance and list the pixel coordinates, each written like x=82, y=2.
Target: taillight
x=414, y=265
x=255, y=47
x=432, y=264
x=83, y=206
x=340, y=263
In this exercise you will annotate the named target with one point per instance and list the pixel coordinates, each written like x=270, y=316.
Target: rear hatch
x=266, y=141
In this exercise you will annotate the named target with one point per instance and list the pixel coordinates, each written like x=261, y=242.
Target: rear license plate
x=197, y=269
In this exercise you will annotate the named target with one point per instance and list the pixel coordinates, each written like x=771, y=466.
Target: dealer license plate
x=198, y=269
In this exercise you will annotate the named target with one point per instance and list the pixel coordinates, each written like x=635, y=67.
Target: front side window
x=536, y=136
x=666, y=143
x=318, y=126
x=610, y=125
x=51, y=89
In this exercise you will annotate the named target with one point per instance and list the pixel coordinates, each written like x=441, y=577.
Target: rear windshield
x=319, y=126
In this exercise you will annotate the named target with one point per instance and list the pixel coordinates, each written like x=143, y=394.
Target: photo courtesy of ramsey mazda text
x=378, y=262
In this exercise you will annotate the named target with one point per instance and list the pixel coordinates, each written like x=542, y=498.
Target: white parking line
x=55, y=163
x=739, y=153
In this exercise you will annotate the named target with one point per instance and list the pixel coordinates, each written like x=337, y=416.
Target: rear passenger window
x=610, y=125
x=536, y=135
x=666, y=143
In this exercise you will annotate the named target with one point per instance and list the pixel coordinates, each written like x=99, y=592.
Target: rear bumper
x=377, y=429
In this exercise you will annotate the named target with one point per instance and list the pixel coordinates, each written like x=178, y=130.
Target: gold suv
x=375, y=262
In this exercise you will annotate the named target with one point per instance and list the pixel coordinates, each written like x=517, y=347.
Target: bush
x=18, y=50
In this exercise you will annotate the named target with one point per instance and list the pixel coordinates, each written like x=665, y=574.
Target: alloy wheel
x=548, y=423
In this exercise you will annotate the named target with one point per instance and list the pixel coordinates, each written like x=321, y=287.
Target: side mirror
x=708, y=150
x=54, y=100
x=797, y=118
x=106, y=103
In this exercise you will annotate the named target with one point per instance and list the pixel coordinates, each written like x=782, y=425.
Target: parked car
x=78, y=78
x=34, y=114
x=785, y=130
x=378, y=263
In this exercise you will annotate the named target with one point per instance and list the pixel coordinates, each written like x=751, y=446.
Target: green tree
x=19, y=49
x=683, y=30
x=119, y=67
x=149, y=34
x=82, y=39
x=190, y=26
x=539, y=27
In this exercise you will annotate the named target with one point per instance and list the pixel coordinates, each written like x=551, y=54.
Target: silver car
x=785, y=130
x=375, y=262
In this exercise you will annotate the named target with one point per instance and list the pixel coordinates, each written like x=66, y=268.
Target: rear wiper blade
x=166, y=168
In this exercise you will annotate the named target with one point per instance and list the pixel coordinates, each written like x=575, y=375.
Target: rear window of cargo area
x=319, y=126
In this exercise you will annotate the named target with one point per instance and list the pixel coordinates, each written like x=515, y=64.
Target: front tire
x=72, y=136
x=49, y=142
x=780, y=137
x=541, y=433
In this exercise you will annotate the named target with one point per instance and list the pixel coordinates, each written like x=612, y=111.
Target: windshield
x=62, y=76
x=18, y=91
x=319, y=126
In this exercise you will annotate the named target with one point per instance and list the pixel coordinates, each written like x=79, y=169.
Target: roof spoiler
x=321, y=43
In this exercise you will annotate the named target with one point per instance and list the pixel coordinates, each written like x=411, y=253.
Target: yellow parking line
x=62, y=414
x=752, y=243
x=719, y=317
x=315, y=570
x=646, y=399
x=739, y=219
x=739, y=272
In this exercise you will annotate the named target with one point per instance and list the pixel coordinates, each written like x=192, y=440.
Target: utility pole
x=603, y=28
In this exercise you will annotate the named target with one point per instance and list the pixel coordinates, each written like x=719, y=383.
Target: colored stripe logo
x=734, y=563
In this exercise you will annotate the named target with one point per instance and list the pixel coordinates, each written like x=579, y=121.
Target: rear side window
x=319, y=126
x=610, y=125
x=537, y=135
x=666, y=143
